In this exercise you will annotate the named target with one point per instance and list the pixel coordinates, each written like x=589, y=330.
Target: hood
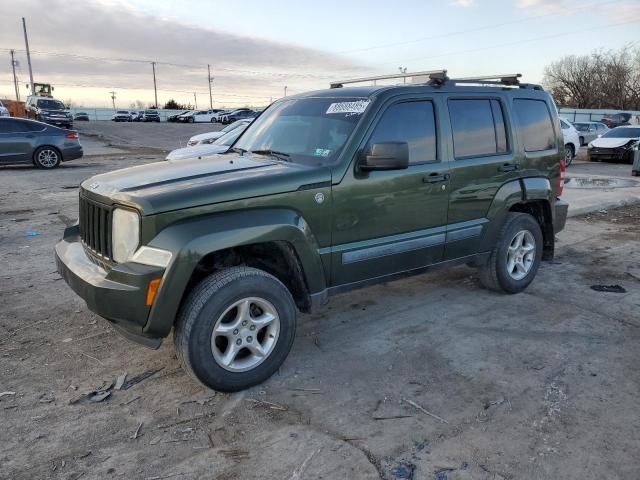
x=611, y=142
x=204, y=136
x=197, y=151
x=163, y=186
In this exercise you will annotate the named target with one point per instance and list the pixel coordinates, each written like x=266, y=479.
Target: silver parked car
x=589, y=131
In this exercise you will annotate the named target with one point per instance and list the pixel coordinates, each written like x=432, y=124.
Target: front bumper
x=68, y=122
x=612, y=154
x=560, y=217
x=118, y=295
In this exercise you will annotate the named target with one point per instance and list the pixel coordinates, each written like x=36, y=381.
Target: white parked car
x=618, y=144
x=211, y=137
x=200, y=116
x=3, y=110
x=221, y=145
x=571, y=141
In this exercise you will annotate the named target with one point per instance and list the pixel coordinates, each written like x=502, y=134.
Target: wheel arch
x=278, y=241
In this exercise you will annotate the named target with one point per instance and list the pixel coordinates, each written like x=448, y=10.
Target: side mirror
x=386, y=156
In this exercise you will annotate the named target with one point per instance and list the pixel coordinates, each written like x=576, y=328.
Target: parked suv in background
x=571, y=141
x=122, y=116
x=150, y=116
x=324, y=192
x=48, y=110
x=589, y=131
x=616, y=120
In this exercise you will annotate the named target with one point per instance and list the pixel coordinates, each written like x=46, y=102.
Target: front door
x=395, y=220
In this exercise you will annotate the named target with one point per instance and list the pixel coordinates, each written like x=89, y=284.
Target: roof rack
x=511, y=79
x=437, y=75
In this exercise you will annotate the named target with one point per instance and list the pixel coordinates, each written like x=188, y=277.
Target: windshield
x=51, y=104
x=623, y=133
x=123, y=111
x=306, y=129
x=228, y=138
x=151, y=112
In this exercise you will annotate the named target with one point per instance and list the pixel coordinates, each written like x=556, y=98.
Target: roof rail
x=511, y=79
x=432, y=74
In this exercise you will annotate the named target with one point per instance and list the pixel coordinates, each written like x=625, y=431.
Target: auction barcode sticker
x=348, y=107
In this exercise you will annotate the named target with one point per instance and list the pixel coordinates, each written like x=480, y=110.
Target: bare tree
x=602, y=79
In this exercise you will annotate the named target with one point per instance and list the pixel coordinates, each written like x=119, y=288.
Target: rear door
x=16, y=141
x=482, y=160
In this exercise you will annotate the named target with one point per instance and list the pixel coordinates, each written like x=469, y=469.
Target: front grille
x=95, y=227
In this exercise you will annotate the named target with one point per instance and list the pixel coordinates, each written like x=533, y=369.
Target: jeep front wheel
x=515, y=260
x=235, y=328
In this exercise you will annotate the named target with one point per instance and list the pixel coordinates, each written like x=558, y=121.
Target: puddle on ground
x=592, y=182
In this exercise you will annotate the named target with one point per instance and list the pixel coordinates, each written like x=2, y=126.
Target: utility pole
x=113, y=99
x=155, y=89
x=195, y=101
x=15, y=80
x=26, y=43
x=285, y=90
x=210, y=82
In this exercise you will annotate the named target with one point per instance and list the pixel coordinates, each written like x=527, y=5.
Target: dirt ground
x=427, y=378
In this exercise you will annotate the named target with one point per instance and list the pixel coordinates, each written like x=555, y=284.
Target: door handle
x=507, y=167
x=435, y=178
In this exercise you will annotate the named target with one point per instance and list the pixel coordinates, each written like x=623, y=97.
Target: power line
x=472, y=30
x=520, y=42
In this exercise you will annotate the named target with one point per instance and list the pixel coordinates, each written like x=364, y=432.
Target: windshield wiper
x=239, y=150
x=279, y=155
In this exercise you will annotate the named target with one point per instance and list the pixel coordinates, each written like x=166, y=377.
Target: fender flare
x=193, y=239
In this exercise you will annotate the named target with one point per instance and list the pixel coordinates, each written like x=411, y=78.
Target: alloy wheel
x=521, y=254
x=245, y=334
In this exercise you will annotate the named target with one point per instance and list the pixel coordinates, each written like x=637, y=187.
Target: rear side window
x=478, y=127
x=411, y=122
x=536, y=127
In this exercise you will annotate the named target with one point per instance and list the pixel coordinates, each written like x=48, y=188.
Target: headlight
x=590, y=146
x=125, y=234
x=208, y=140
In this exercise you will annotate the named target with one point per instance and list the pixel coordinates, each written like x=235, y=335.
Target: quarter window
x=536, y=127
x=478, y=127
x=411, y=122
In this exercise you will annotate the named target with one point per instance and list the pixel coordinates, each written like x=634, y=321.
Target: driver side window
x=410, y=122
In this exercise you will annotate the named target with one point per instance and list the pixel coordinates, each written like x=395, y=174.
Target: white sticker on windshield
x=349, y=107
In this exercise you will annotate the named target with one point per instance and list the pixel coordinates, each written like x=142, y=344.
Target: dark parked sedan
x=28, y=141
x=81, y=116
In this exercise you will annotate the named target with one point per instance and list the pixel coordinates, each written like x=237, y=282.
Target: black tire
x=213, y=120
x=569, y=153
x=191, y=120
x=47, y=158
x=494, y=274
x=207, y=302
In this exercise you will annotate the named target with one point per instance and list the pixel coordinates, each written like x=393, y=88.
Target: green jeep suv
x=324, y=192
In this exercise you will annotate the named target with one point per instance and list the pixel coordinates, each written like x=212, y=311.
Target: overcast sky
x=255, y=47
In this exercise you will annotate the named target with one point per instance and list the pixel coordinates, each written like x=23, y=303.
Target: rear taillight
x=72, y=135
x=563, y=169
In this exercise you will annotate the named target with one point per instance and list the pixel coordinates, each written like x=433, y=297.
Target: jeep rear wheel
x=515, y=260
x=235, y=328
